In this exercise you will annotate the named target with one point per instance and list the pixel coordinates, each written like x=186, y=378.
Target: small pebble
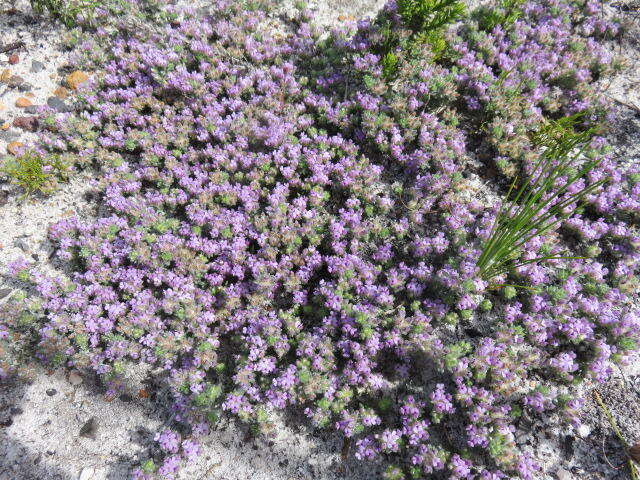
x=89, y=429
x=26, y=123
x=23, y=102
x=51, y=392
x=61, y=93
x=36, y=66
x=9, y=135
x=32, y=109
x=21, y=244
x=14, y=147
x=562, y=474
x=5, y=75
x=15, y=81
x=86, y=473
x=35, y=256
x=75, y=378
x=25, y=87
x=584, y=430
x=59, y=105
x=13, y=59
x=76, y=79
x=4, y=292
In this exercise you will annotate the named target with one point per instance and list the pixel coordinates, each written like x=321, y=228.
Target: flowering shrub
x=285, y=225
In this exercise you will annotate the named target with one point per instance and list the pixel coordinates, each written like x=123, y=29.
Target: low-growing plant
x=66, y=11
x=545, y=199
x=280, y=228
x=34, y=172
x=426, y=21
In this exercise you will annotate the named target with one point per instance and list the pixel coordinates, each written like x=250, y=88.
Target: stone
x=15, y=81
x=21, y=244
x=5, y=75
x=51, y=392
x=9, y=135
x=4, y=292
x=14, y=148
x=2, y=107
x=14, y=58
x=86, y=473
x=89, y=429
x=75, y=378
x=562, y=474
x=59, y=105
x=25, y=87
x=26, y=123
x=23, y=102
x=76, y=79
x=33, y=109
x=36, y=66
x=61, y=93
x=584, y=430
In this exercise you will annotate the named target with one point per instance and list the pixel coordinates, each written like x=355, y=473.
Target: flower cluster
x=284, y=225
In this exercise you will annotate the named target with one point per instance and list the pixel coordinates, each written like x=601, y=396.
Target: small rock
x=16, y=411
x=32, y=109
x=89, y=429
x=86, y=473
x=9, y=135
x=59, y=105
x=21, y=244
x=23, y=102
x=26, y=123
x=5, y=75
x=61, y=93
x=6, y=422
x=15, y=81
x=75, y=79
x=126, y=398
x=75, y=378
x=584, y=430
x=35, y=256
x=13, y=59
x=36, y=66
x=51, y=392
x=2, y=107
x=51, y=452
x=562, y=474
x=4, y=292
x=14, y=148
x=25, y=87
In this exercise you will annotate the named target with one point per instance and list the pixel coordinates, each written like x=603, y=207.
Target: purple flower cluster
x=284, y=227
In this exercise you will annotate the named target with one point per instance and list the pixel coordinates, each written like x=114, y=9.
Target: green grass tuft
x=538, y=205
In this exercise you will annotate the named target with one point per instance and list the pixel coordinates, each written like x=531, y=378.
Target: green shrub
x=66, y=11
x=33, y=172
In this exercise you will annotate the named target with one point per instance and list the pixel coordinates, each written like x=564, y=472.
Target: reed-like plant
x=540, y=204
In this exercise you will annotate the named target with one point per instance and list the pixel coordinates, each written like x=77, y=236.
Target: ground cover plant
x=293, y=221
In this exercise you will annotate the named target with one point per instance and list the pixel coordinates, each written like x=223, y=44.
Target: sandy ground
x=41, y=420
